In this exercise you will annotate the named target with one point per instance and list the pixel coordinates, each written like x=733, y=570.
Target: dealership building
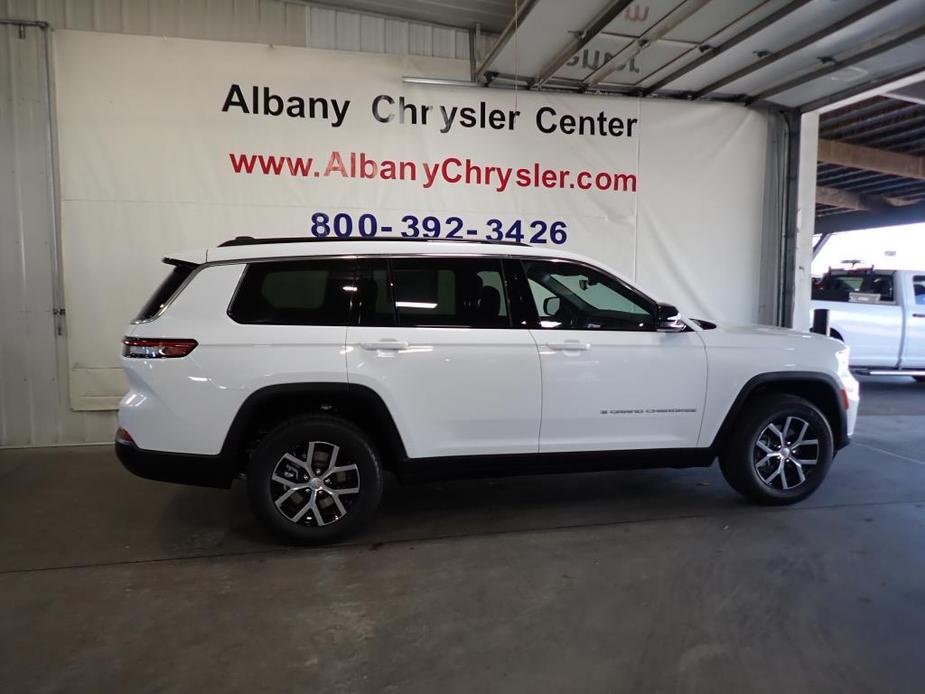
x=702, y=151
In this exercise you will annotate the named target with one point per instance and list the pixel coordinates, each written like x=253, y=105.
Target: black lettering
x=268, y=99
x=296, y=107
x=386, y=99
x=539, y=119
x=340, y=112
x=235, y=98
x=317, y=101
x=467, y=116
x=448, y=118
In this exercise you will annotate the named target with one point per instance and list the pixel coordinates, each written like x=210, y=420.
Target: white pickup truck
x=880, y=315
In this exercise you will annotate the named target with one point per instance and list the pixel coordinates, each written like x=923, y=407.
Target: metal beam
x=520, y=15
x=837, y=65
x=597, y=25
x=910, y=214
x=870, y=159
x=860, y=89
x=710, y=52
x=655, y=33
x=794, y=47
x=855, y=200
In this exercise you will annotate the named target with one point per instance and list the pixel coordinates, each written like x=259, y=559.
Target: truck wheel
x=314, y=480
x=781, y=450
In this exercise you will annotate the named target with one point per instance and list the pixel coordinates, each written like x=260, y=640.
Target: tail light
x=156, y=347
x=122, y=436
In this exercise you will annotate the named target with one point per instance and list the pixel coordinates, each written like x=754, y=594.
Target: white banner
x=170, y=144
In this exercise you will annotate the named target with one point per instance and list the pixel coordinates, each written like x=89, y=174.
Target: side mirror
x=669, y=319
x=551, y=305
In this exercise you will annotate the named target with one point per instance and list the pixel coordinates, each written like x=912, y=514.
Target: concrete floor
x=624, y=582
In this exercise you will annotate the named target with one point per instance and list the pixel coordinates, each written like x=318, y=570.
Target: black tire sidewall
x=355, y=447
x=737, y=464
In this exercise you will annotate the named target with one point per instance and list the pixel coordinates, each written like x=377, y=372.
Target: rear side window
x=450, y=292
x=165, y=291
x=296, y=292
x=918, y=287
x=856, y=287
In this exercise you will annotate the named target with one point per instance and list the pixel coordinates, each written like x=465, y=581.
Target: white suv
x=308, y=367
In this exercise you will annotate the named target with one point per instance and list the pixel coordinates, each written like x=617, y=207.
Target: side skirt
x=474, y=466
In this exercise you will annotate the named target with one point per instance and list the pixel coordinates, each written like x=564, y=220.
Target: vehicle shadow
x=217, y=522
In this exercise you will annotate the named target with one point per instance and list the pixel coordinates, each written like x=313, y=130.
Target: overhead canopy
x=794, y=53
x=871, y=170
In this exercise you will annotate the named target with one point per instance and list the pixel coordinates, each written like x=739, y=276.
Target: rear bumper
x=180, y=468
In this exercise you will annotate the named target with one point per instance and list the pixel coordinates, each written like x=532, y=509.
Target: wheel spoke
x=786, y=428
x=289, y=458
x=337, y=502
x=774, y=474
x=282, y=499
x=799, y=438
x=799, y=469
x=777, y=432
x=316, y=511
x=801, y=462
x=305, y=508
x=808, y=442
x=783, y=476
x=766, y=448
x=288, y=483
x=338, y=491
x=343, y=468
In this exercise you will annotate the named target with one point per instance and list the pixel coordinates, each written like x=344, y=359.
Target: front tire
x=780, y=452
x=314, y=480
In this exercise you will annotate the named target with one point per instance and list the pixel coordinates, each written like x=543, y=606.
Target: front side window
x=450, y=292
x=575, y=297
x=295, y=292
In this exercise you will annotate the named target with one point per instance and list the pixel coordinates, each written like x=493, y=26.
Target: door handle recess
x=392, y=345
x=569, y=346
x=918, y=315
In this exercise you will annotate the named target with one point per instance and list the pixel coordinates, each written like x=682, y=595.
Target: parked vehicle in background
x=880, y=315
x=311, y=367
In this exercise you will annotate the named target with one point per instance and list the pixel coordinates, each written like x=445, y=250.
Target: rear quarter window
x=165, y=291
x=297, y=292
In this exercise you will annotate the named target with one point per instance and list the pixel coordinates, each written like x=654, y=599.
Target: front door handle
x=391, y=345
x=569, y=346
x=918, y=315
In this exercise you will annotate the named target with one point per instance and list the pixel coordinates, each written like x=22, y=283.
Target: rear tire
x=314, y=480
x=780, y=452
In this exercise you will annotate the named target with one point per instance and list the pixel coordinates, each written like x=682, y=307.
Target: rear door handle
x=391, y=345
x=569, y=346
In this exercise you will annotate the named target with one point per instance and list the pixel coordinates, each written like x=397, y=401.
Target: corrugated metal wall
x=33, y=378
x=250, y=21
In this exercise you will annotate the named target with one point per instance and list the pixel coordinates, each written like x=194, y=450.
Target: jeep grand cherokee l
x=309, y=367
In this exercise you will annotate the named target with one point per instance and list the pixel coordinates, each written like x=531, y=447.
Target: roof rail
x=252, y=241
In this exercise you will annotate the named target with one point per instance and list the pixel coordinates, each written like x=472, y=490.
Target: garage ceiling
x=871, y=169
x=792, y=53
x=789, y=54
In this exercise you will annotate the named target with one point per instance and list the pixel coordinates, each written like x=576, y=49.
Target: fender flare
x=236, y=437
x=839, y=427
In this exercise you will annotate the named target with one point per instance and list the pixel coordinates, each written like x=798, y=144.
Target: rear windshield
x=165, y=292
x=855, y=287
